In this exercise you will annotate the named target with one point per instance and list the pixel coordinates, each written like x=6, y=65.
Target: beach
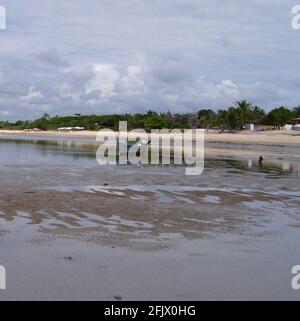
x=149, y=152
x=73, y=230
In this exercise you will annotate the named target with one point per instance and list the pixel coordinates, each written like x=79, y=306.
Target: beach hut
x=296, y=123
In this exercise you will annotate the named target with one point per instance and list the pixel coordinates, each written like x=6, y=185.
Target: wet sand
x=71, y=229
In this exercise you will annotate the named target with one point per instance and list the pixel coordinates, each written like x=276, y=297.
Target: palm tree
x=206, y=117
x=244, y=110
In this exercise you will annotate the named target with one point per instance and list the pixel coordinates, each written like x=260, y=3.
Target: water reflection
x=275, y=167
x=59, y=151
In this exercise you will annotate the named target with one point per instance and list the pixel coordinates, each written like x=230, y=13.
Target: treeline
x=233, y=118
x=242, y=113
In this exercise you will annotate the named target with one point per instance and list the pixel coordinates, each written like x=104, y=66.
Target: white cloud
x=4, y=113
x=32, y=95
x=104, y=80
x=132, y=83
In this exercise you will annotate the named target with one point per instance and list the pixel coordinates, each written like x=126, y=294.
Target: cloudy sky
x=116, y=56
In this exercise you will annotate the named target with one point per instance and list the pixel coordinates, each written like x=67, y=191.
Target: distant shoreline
x=272, y=138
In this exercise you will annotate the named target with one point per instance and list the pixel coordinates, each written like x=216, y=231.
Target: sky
x=115, y=56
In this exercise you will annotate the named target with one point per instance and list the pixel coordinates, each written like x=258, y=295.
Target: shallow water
x=71, y=229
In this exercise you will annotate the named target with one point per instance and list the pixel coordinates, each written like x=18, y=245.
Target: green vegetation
x=233, y=118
